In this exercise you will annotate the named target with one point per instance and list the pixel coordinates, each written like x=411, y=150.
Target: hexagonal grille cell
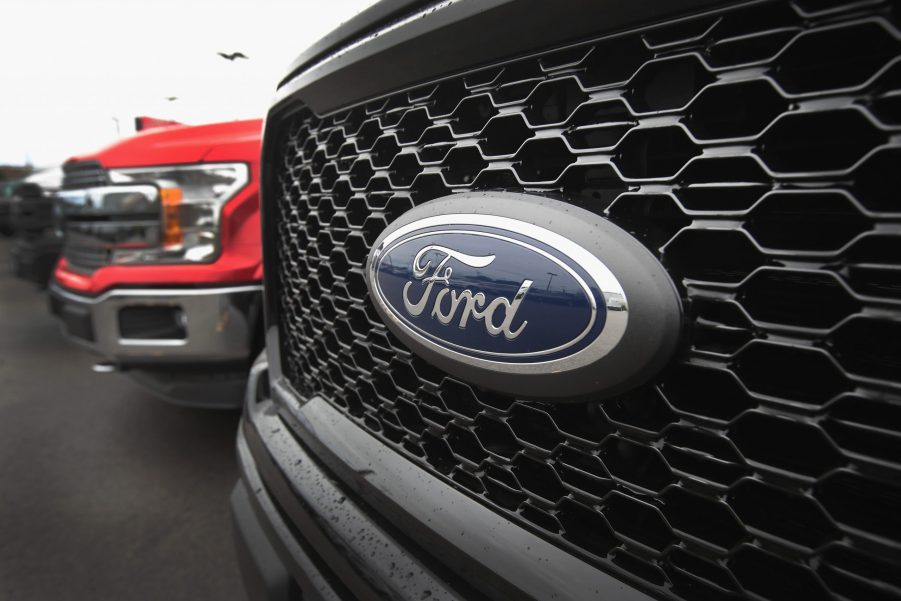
x=688, y=255
x=667, y=84
x=657, y=152
x=703, y=518
x=772, y=577
x=792, y=517
x=755, y=151
x=554, y=101
x=712, y=393
x=806, y=221
x=869, y=346
x=797, y=299
x=818, y=141
x=819, y=59
x=866, y=426
x=734, y=110
x=793, y=373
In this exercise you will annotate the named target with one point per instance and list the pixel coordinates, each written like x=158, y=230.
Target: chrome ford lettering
x=472, y=303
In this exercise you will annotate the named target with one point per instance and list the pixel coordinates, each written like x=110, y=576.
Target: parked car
x=10, y=180
x=31, y=220
x=161, y=265
x=7, y=191
x=579, y=300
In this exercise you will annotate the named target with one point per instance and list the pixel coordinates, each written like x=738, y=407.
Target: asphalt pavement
x=105, y=492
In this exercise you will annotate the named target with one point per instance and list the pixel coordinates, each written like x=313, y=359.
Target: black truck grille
x=84, y=253
x=84, y=174
x=758, y=152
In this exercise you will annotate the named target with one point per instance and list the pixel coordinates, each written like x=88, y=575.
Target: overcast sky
x=69, y=67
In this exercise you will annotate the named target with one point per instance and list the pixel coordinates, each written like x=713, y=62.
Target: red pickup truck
x=161, y=265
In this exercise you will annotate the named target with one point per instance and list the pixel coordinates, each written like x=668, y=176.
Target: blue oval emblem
x=497, y=289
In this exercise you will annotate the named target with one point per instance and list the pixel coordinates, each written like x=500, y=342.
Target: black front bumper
x=325, y=509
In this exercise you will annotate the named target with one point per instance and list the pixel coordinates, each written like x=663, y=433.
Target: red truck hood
x=229, y=141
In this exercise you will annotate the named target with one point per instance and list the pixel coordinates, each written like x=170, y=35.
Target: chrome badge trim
x=524, y=294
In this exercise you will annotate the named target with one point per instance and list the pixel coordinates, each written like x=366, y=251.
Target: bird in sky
x=232, y=56
x=171, y=98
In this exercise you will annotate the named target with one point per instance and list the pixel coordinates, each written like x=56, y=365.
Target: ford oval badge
x=524, y=295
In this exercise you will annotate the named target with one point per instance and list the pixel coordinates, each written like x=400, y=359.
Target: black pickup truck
x=581, y=300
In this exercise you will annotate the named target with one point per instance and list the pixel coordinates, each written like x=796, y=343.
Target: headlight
x=192, y=198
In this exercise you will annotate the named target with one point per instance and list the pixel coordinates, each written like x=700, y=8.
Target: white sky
x=68, y=67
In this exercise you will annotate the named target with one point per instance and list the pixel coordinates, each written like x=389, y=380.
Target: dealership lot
x=106, y=492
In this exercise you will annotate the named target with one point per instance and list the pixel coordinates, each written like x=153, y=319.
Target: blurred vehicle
x=32, y=222
x=48, y=179
x=161, y=263
x=581, y=300
x=37, y=242
x=7, y=191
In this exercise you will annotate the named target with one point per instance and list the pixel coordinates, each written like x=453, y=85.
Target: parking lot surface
x=105, y=492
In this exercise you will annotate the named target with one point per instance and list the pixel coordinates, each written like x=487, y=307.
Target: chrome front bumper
x=219, y=323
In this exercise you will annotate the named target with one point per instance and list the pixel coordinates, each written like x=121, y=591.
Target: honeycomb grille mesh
x=757, y=152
